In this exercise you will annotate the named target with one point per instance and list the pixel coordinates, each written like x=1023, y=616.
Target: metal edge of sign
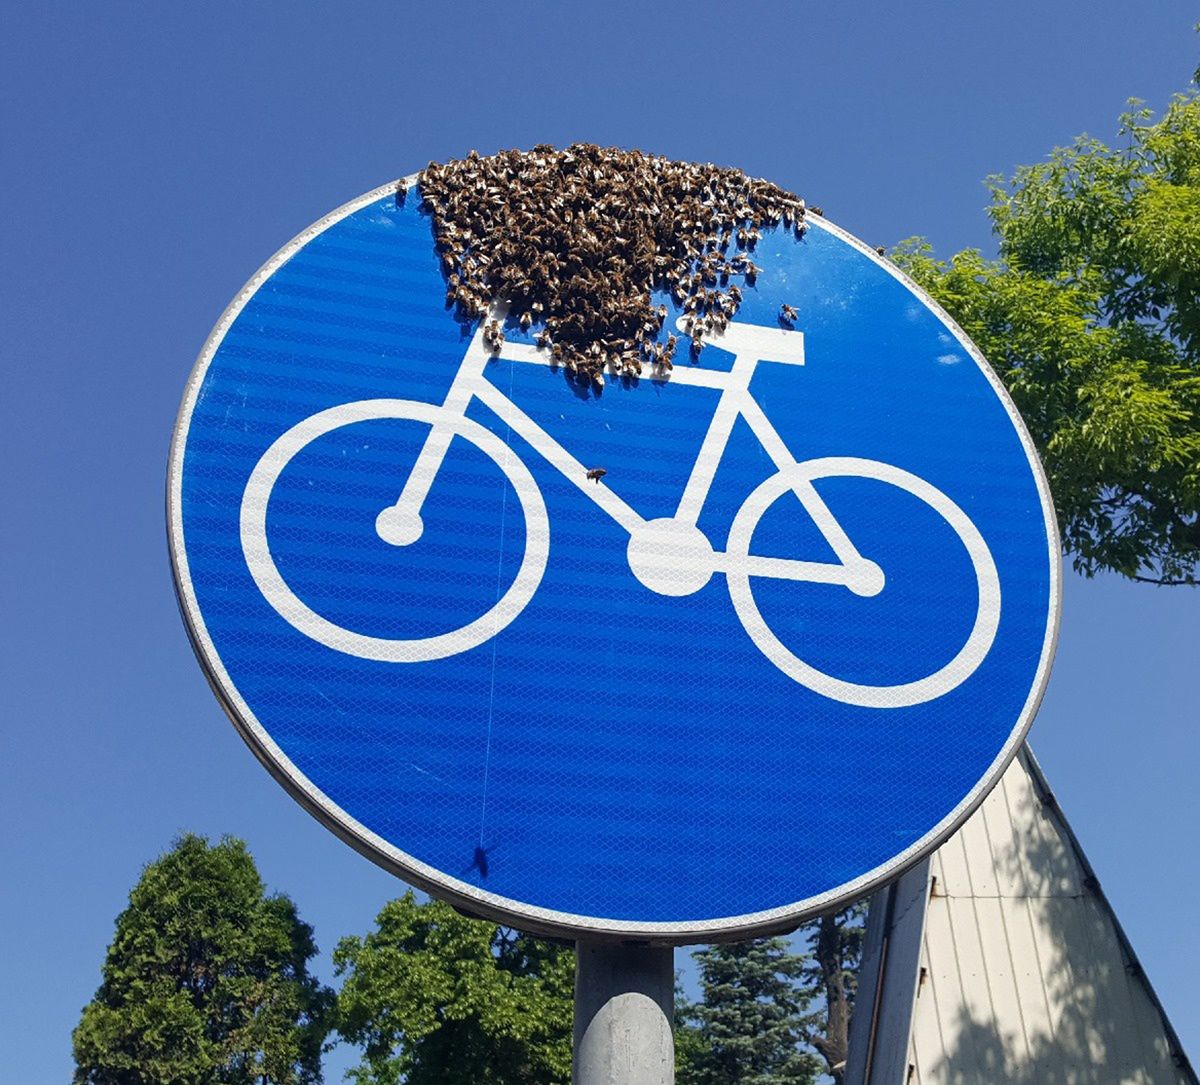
x=471, y=899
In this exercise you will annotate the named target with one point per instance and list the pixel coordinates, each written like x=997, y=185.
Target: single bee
x=493, y=336
x=787, y=314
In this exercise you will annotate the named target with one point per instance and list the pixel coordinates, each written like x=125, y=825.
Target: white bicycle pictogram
x=670, y=555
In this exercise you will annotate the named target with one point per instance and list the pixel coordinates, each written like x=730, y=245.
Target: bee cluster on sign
x=578, y=240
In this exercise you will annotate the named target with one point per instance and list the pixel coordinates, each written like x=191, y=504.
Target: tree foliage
x=1091, y=316
x=434, y=998
x=206, y=981
x=751, y=1021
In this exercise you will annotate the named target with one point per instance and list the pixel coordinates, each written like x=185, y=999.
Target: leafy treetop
x=435, y=998
x=1091, y=316
x=206, y=981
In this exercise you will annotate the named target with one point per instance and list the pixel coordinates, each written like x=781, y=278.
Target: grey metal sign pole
x=624, y=1013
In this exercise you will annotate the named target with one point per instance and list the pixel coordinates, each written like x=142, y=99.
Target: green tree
x=206, y=981
x=1091, y=317
x=753, y=1016
x=433, y=997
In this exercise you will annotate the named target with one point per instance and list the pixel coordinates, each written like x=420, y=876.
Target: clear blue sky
x=156, y=155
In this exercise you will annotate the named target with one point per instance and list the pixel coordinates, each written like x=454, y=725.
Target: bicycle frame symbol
x=670, y=555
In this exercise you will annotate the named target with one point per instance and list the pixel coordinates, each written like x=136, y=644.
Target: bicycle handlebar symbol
x=670, y=556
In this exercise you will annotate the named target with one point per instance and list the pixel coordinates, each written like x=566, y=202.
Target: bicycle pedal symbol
x=670, y=556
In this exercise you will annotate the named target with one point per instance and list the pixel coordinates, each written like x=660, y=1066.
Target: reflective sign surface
x=700, y=653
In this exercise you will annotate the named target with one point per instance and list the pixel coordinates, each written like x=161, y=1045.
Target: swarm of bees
x=577, y=241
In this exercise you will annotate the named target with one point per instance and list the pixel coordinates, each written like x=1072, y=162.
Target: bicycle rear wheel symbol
x=670, y=556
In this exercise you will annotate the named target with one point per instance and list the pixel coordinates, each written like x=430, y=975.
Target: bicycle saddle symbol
x=670, y=555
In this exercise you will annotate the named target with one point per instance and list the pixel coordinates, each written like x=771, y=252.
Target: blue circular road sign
x=698, y=655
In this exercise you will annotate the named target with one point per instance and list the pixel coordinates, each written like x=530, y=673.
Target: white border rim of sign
x=469, y=898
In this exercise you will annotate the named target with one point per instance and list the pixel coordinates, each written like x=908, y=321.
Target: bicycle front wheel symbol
x=297, y=613
x=744, y=570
